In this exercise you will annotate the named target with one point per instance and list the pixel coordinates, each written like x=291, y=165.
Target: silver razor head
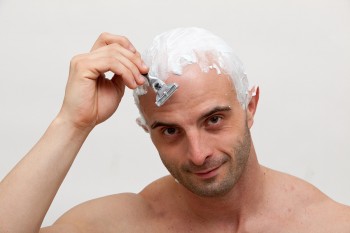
x=164, y=91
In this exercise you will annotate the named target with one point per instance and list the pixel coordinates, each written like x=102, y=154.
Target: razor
x=164, y=91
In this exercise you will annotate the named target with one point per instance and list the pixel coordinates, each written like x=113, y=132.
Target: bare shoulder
x=127, y=212
x=113, y=213
x=307, y=205
x=163, y=196
x=160, y=187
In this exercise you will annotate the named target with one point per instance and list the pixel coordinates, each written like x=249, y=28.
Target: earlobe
x=252, y=105
x=145, y=128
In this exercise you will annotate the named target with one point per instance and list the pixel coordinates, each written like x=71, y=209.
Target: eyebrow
x=205, y=115
x=159, y=124
x=215, y=110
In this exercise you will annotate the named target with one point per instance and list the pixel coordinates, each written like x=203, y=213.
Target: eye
x=170, y=131
x=214, y=120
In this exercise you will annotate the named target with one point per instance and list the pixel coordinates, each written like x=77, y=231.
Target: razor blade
x=164, y=91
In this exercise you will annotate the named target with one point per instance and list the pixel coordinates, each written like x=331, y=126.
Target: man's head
x=202, y=131
x=173, y=50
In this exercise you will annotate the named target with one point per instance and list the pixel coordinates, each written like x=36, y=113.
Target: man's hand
x=27, y=191
x=90, y=97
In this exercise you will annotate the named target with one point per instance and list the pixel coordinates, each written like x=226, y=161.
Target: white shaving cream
x=173, y=50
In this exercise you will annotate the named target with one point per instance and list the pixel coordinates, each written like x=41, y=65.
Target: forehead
x=198, y=92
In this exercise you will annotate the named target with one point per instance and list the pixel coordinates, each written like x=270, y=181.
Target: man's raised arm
x=27, y=192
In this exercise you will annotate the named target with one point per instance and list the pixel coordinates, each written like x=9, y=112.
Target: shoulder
x=115, y=212
x=118, y=212
x=306, y=205
x=162, y=194
x=293, y=188
x=163, y=185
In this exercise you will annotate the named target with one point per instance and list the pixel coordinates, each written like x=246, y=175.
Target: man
x=202, y=134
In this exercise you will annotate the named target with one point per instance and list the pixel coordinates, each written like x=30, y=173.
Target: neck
x=244, y=199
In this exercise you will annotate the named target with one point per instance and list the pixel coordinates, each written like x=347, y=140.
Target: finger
x=115, y=49
x=136, y=66
x=112, y=62
x=124, y=73
x=144, y=68
x=93, y=66
x=107, y=38
x=130, y=60
x=102, y=65
x=114, y=58
x=133, y=68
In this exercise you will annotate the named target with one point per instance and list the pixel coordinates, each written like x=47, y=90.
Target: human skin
x=260, y=199
x=204, y=141
x=28, y=190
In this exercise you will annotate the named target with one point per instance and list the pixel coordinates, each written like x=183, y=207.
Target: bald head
x=171, y=51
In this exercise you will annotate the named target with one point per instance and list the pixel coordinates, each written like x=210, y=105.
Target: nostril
x=197, y=155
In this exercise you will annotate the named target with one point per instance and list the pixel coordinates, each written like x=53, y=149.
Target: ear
x=252, y=105
x=141, y=122
x=145, y=128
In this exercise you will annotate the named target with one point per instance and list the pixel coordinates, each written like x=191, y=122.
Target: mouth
x=208, y=173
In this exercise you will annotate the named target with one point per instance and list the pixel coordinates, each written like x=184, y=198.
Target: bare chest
x=184, y=226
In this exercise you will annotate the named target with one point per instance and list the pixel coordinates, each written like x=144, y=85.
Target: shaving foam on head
x=173, y=50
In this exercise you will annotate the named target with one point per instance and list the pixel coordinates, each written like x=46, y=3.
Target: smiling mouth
x=209, y=173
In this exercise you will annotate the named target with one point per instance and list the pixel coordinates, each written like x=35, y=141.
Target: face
x=201, y=133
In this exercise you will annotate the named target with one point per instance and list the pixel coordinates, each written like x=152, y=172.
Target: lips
x=208, y=170
x=208, y=173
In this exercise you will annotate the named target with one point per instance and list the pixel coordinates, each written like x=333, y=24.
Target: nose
x=198, y=147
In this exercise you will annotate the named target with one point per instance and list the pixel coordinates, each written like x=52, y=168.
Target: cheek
x=228, y=138
x=226, y=143
x=165, y=150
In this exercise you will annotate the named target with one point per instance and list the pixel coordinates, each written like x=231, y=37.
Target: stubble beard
x=214, y=187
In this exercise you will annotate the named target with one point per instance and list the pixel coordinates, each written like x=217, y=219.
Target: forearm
x=27, y=191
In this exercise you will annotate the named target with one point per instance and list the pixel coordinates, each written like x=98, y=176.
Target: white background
x=298, y=51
